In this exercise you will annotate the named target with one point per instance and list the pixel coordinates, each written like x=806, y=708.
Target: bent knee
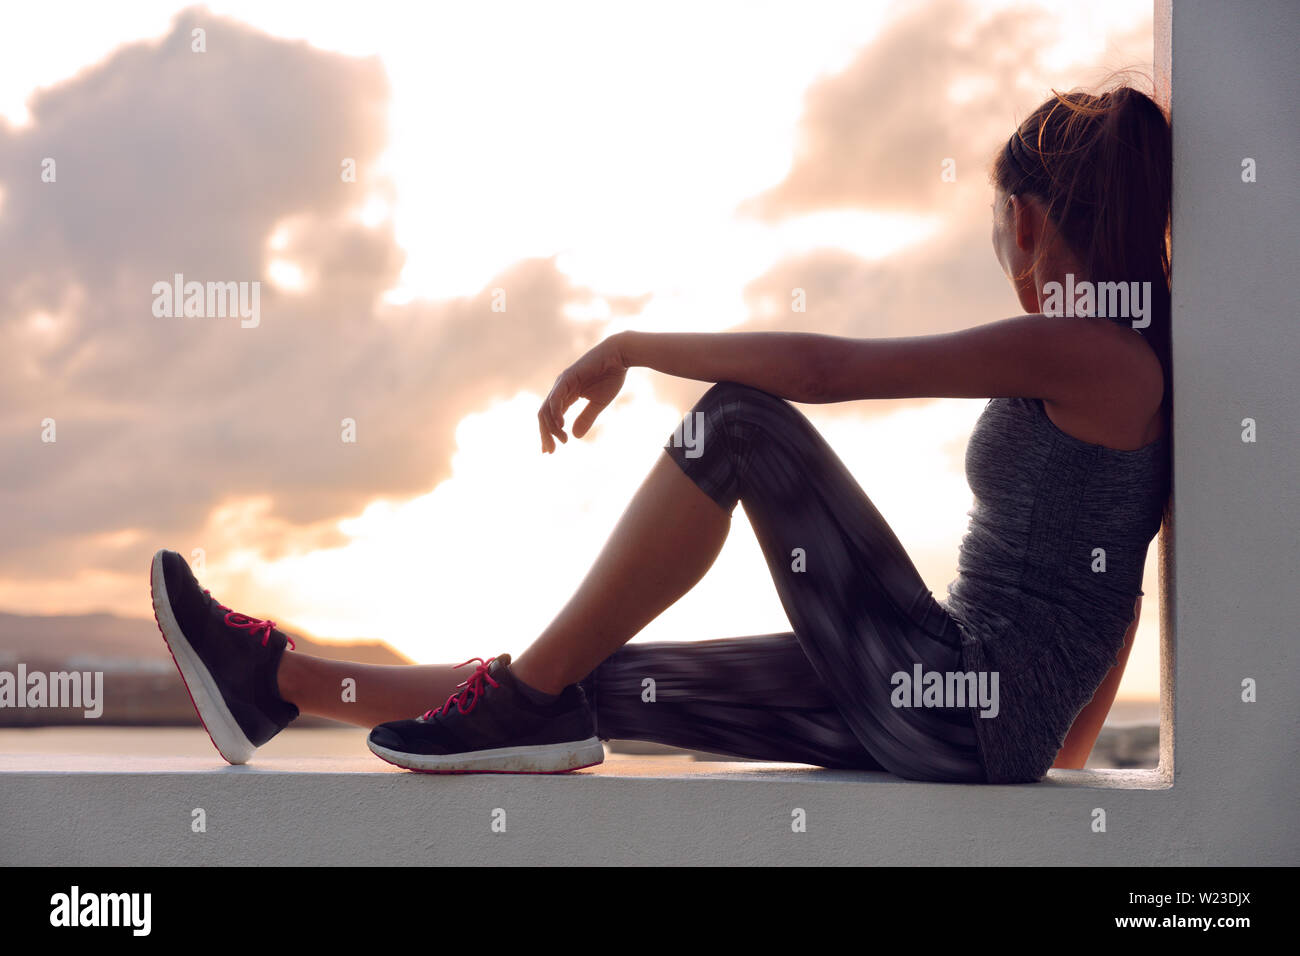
x=738, y=398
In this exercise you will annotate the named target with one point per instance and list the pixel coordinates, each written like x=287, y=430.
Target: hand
x=597, y=377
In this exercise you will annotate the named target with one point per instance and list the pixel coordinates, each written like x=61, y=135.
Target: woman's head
x=1084, y=183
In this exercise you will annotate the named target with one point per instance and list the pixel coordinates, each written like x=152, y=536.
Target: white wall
x=1236, y=553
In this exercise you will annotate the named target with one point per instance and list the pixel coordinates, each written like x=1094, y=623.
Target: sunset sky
x=667, y=166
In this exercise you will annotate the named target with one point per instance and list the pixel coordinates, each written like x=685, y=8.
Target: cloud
x=170, y=161
x=216, y=165
x=943, y=80
x=935, y=84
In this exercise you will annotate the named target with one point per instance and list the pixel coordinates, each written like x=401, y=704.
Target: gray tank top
x=1048, y=573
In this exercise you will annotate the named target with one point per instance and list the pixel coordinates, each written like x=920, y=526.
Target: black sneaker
x=491, y=727
x=227, y=660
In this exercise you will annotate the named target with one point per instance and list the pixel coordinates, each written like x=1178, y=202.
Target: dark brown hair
x=1102, y=166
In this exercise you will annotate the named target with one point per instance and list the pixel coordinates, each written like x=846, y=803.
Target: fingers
x=556, y=405
x=550, y=418
x=588, y=417
x=548, y=429
x=548, y=445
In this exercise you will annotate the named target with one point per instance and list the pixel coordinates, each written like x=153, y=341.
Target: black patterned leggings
x=861, y=613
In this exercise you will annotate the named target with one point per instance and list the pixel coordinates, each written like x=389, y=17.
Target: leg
x=383, y=691
x=668, y=537
x=755, y=697
x=860, y=610
x=666, y=540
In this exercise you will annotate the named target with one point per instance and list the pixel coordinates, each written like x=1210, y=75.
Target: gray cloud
x=171, y=161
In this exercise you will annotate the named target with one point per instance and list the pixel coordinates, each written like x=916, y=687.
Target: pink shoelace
x=473, y=689
x=252, y=625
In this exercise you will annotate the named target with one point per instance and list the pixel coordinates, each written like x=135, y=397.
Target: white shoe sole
x=545, y=758
x=223, y=730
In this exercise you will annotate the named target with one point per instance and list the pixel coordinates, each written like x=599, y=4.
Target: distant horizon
x=148, y=624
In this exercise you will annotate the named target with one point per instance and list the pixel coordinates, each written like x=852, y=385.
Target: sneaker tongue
x=500, y=670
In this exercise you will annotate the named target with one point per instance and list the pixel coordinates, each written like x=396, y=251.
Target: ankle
x=287, y=677
x=534, y=680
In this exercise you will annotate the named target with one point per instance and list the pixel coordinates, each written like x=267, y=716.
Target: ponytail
x=1102, y=167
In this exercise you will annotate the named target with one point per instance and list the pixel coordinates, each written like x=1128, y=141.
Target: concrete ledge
x=320, y=811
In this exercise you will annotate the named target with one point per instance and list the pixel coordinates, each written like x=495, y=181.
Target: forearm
x=791, y=365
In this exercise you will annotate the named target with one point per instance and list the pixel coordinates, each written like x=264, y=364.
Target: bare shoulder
x=1123, y=410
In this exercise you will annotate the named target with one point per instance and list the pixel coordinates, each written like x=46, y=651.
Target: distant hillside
x=141, y=685
x=25, y=636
